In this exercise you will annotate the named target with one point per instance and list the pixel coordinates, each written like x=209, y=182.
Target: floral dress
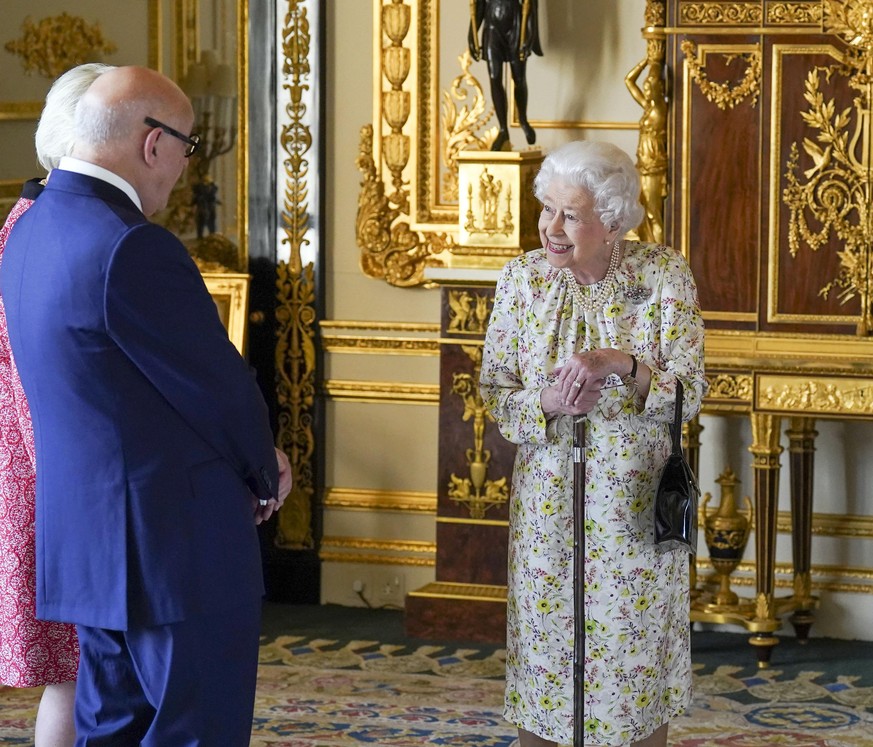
x=637, y=669
x=32, y=652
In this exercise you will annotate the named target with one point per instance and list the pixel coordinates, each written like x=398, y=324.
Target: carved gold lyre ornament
x=834, y=196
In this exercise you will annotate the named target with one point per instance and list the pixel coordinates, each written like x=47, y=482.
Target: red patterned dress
x=32, y=652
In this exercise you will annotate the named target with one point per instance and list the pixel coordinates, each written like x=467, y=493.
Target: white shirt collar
x=68, y=163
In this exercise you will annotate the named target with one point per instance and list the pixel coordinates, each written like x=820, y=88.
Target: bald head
x=110, y=130
x=114, y=110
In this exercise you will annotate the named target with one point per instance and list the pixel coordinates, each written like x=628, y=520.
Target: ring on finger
x=577, y=385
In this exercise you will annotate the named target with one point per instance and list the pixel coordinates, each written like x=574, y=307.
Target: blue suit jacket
x=151, y=433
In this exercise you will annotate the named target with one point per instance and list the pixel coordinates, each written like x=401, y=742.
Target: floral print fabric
x=637, y=669
x=32, y=652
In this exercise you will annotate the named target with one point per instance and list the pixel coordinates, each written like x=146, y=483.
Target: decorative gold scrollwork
x=656, y=13
x=55, y=44
x=724, y=386
x=461, y=126
x=390, y=249
x=794, y=14
x=476, y=492
x=723, y=95
x=295, y=312
x=834, y=194
x=720, y=14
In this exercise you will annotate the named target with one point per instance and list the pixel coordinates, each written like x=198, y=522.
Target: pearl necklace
x=593, y=297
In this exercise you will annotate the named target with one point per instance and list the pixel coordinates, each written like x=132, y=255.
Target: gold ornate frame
x=230, y=291
x=172, y=35
x=407, y=219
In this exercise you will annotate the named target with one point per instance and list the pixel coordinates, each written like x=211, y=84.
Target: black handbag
x=677, y=495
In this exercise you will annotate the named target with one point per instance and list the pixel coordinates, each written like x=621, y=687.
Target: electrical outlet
x=390, y=589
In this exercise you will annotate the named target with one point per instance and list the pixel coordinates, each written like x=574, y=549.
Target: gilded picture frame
x=429, y=104
x=165, y=35
x=230, y=291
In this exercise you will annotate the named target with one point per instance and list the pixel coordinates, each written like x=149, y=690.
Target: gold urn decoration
x=727, y=532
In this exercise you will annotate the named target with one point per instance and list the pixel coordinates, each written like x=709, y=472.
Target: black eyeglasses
x=192, y=141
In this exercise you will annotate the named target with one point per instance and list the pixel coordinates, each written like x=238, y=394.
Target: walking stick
x=578, y=580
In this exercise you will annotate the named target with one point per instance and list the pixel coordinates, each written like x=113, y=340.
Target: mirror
x=167, y=35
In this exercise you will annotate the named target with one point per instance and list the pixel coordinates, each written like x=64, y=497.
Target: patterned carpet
x=333, y=691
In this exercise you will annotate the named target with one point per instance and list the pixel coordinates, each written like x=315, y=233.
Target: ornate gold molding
x=467, y=592
x=729, y=386
x=390, y=249
x=820, y=395
x=794, y=14
x=720, y=14
x=656, y=13
x=397, y=344
x=388, y=345
x=382, y=391
x=295, y=313
x=355, y=499
x=55, y=44
x=392, y=552
x=724, y=95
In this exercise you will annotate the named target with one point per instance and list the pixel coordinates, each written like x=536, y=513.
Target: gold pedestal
x=497, y=210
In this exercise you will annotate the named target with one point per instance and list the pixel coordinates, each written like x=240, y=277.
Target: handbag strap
x=676, y=429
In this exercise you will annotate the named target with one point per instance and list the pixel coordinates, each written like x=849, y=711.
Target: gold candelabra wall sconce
x=726, y=531
x=476, y=492
x=211, y=86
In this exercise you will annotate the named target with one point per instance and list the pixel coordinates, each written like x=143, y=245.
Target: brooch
x=637, y=294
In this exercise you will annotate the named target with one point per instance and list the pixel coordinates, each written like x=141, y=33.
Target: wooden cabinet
x=769, y=197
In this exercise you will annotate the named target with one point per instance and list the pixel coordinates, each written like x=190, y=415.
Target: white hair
x=602, y=169
x=55, y=133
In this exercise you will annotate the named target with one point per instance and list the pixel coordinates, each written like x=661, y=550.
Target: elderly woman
x=599, y=326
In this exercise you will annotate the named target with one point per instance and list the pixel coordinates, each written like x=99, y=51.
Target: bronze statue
x=652, y=147
x=510, y=34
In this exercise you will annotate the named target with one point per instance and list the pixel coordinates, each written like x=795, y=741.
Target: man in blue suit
x=155, y=458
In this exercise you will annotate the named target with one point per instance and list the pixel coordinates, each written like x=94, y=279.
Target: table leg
x=801, y=436
x=766, y=451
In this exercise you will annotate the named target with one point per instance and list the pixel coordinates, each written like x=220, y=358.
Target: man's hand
x=284, y=475
x=264, y=511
